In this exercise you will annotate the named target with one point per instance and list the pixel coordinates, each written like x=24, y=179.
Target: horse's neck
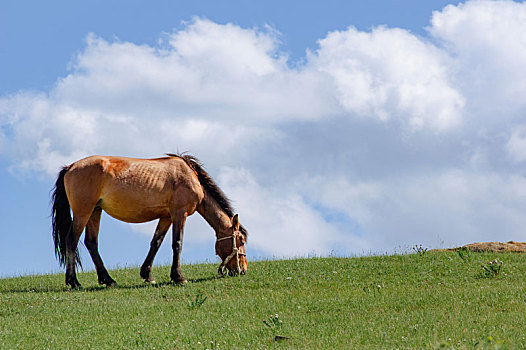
x=214, y=215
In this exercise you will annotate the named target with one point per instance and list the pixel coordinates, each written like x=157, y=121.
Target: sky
x=336, y=127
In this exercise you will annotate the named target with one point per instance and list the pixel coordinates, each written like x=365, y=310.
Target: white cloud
x=282, y=222
x=380, y=139
x=228, y=51
x=487, y=40
x=516, y=145
x=446, y=208
x=390, y=73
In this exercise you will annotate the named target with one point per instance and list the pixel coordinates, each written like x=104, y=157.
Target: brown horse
x=140, y=190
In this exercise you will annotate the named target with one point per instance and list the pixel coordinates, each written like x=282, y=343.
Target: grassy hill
x=424, y=300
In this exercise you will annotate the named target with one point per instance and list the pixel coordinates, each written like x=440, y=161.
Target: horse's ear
x=235, y=222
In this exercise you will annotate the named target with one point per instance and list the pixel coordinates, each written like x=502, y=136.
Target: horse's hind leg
x=72, y=240
x=160, y=232
x=92, y=243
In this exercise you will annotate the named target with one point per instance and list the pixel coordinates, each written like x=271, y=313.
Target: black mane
x=209, y=185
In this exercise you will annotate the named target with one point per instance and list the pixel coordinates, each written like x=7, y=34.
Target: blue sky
x=353, y=127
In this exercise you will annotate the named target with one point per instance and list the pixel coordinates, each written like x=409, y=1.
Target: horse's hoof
x=148, y=281
x=180, y=282
x=108, y=282
x=74, y=284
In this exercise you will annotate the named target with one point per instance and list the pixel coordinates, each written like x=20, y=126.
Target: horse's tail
x=61, y=217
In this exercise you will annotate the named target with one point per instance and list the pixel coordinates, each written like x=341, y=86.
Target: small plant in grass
x=275, y=324
x=209, y=345
x=487, y=343
x=373, y=288
x=493, y=268
x=464, y=254
x=420, y=250
x=197, y=302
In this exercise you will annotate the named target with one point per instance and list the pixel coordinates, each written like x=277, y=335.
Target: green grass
x=416, y=301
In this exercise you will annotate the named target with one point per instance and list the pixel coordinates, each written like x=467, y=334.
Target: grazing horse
x=140, y=190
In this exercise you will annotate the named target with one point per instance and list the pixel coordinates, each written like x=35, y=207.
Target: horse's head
x=231, y=249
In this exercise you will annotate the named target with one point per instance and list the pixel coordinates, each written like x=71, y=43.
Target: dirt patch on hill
x=511, y=246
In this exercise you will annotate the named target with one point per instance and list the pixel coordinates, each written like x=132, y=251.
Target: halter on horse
x=235, y=254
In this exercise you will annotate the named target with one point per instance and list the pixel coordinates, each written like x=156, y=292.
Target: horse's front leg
x=177, y=244
x=158, y=237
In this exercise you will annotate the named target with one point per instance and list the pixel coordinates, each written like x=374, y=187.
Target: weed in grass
x=420, y=250
x=493, y=268
x=465, y=254
x=489, y=343
x=373, y=288
x=197, y=302
x=275, y=324
x=139, y=341
x=213, y=344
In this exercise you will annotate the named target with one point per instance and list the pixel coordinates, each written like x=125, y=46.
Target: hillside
x=415, y=301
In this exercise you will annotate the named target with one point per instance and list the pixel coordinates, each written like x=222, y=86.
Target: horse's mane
x=210, y=186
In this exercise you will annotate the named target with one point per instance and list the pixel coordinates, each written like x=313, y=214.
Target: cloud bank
x=377, y=140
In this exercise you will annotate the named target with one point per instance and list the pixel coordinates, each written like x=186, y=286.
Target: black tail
x=61, y=218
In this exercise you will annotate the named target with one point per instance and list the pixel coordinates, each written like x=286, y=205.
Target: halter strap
x=223, y=238
x=235, y=253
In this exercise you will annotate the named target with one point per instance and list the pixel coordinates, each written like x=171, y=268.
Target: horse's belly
x=134, y=211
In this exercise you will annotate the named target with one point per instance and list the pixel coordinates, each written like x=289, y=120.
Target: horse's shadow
x=54, y=289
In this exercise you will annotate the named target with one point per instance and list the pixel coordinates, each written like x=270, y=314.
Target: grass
x=417, y=301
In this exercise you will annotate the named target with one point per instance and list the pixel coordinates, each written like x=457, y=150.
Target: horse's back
x=130, y=189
